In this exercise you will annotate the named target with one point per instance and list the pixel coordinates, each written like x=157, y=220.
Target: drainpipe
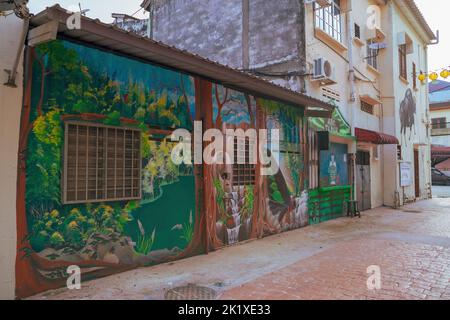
x=352, y=96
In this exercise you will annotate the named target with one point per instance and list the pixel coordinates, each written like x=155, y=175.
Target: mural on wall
x=334, y=166
x=183, y=209
x=288, y=196
x=74, y=82
x=407, y=114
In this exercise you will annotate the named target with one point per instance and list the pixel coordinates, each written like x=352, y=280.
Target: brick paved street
x=328, y=261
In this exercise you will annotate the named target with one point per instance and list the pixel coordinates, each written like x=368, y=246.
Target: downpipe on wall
x=352, y=95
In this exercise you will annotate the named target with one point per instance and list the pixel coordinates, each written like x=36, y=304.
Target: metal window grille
x=101, y=163
x=329, y=19
x=357, y=31
x=414, y=75
x=372, y=58
x=366, y=107
x=244, y=171
x=402, y=61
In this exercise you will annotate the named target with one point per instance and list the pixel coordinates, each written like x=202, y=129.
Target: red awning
x=440, y=152
x=364, y=135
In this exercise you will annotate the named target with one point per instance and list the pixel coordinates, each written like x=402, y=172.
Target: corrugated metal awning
x=111, y=38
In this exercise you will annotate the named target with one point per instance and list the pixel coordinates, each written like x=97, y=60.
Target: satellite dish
x=9, y=5
x=377, y=46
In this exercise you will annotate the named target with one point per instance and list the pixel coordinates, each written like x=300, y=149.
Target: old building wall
x=217, y=30
x=10, y=108
x=209, y=28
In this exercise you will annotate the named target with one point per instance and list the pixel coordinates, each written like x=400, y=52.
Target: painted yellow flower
x=54, y=214
x=73, y=225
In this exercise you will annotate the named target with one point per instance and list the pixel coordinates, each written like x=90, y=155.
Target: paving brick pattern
x=408, y=271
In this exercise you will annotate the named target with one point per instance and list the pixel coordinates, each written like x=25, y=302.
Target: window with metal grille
x=363, y=158
x=357, y=31
x=367, y=107
x=399, y=152
x=244, y=171
x=439, y=123
x=414, y=75
x=101, y=163
x=329, y=19
x=402, y=61
x=372, y=54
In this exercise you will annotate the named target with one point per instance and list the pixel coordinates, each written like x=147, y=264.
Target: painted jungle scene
x=78, y=83
x=287, y=190
x=249, y=204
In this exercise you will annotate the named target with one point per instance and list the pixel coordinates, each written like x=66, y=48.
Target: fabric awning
x=364, y=135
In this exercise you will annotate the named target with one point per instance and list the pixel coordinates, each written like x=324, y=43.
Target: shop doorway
x=363, y=181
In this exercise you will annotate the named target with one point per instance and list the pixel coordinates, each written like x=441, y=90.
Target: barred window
x=244, y=172
x=366, y=107
x=372, y=54
x=329, y=19
x=402, y=61
x=101, y=163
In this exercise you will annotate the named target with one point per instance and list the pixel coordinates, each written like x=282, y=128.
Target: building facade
x=96, y=183
x=91, y=154
x=363, y=56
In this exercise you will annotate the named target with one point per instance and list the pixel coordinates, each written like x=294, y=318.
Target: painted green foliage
x=287, y=193
x=73, y=81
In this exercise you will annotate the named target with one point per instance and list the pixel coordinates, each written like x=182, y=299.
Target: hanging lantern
x=445, y=74
x=434, y=76
x=422, y=77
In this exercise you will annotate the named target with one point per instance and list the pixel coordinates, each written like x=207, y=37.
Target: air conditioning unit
x=323, y=72
x=320, y=3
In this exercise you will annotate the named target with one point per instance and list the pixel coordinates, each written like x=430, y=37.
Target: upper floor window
x=402, y=52
x=329, y=19
x=372, y=58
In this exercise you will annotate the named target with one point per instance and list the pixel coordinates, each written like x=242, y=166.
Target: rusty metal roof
x=111, y=38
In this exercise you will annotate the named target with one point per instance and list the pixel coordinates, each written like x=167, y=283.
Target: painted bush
x=74, y=82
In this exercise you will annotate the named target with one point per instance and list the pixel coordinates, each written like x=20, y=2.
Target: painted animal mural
x=407, y=113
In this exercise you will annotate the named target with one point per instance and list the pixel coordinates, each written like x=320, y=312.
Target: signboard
x=406, y=177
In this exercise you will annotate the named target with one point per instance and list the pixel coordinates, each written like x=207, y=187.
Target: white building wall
x=418, y=137
x=10, y=110
x=366, y=79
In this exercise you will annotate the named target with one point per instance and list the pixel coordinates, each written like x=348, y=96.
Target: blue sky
x=435, y=11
